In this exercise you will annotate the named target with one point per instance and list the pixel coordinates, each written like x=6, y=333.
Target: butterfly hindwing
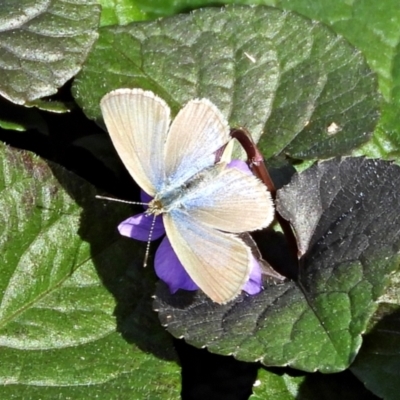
x=229, y=199
x=218, y=262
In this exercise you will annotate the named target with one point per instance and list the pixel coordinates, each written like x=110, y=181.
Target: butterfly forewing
x=138, y=122
x=196, y=133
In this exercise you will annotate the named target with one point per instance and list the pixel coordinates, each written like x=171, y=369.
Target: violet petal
x=241, y=165
x=170, y=270
x=145, y=198
x=138, y=227
x=253, y=285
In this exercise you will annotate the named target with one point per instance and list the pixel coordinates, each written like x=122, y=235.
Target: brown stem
x=256, y=163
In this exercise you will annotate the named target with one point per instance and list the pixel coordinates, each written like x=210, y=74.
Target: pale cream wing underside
x=196, y=133
x=230, y=200
x=218, y=262
x=138, y=123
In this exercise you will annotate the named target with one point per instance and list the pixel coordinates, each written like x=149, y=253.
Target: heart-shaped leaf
x=298, y=88
x=352, y=244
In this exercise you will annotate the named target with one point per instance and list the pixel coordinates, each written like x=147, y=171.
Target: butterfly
x=205, y=205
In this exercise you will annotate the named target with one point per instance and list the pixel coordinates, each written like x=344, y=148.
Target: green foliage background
x=64, y=331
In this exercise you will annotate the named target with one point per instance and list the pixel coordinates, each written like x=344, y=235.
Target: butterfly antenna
x=146, y=255
x=119, y=200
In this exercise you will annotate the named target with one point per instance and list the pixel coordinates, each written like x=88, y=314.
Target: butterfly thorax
x=165, y=201
x=176, y=196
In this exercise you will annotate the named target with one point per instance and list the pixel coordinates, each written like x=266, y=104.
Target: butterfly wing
x=229, y=199
x=218, y=262
x=196, y=133
x=218, y=199
x=138, y=122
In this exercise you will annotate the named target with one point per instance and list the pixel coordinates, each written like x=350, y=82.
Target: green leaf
x=370, y=26
x=345, y=213
x=294, y=84
x=377, y=21
x=121, y=12
x=63, y=295
x=18, y=118
x=105, y=368
x=278, y=387
x=392, y=293
x=284, y=386
x=44, y=44
x=378, y=363
x=56, y=107
x=373, y=27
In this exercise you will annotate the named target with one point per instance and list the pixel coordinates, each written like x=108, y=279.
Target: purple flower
x=167, y=266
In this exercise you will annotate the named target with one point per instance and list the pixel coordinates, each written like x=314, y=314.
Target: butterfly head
x=155, y=207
